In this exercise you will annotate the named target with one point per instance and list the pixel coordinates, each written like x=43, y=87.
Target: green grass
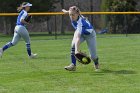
x=119, y=59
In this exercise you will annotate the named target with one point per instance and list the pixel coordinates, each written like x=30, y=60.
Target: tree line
x=10, y=6
x=115, y=23
x=122, y=23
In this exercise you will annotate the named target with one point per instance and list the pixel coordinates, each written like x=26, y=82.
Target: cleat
x=97, y=68
x=71, y=67
x=1, y=52
x=96, y=64
x=33, y=56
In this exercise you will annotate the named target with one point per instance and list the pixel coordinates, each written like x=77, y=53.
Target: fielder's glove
x=28, y=18
x=82, y=58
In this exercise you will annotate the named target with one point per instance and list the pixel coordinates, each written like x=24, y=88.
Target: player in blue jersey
x=20, y=30
x=84, y=31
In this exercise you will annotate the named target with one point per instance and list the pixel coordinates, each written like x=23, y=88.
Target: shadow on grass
x=104, y=71
x=91, y=72
x=118, y=72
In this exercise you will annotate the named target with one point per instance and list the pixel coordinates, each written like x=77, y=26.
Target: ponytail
x=20, y=7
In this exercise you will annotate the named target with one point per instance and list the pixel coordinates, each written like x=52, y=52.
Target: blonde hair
x=76, y=10
x=20, y=7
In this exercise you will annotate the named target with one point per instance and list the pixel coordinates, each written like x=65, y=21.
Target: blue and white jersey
x=83, y=26
x=22, y=15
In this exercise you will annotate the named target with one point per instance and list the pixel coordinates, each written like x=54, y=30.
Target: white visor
x=28, y=4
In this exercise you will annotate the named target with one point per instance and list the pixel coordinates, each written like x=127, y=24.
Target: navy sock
x=28, y=49
x=96, y=61
x=8, y=45
x=73, y=59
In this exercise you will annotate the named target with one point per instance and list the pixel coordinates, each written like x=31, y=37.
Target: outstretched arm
x=77, y=42
x=65, y=11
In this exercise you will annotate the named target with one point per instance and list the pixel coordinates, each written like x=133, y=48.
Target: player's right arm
x=78, y=34
x=77, y=42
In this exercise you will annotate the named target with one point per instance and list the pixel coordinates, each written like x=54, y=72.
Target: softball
x=84, y=59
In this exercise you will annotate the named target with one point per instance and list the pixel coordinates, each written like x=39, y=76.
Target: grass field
x=119, y=60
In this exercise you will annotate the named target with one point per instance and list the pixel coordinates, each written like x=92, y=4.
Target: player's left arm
x=65, y=11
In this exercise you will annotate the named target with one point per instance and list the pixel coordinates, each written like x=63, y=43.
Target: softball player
x=84, y=31
x=20, y=30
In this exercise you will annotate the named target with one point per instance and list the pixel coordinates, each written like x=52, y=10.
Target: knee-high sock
x=8, y=45
x=28, y=49
x=73, y=59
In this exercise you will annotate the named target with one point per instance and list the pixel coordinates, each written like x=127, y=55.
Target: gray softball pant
x=91, y=43
x=20, y=31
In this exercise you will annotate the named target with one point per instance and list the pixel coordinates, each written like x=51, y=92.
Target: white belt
x=89, y=30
